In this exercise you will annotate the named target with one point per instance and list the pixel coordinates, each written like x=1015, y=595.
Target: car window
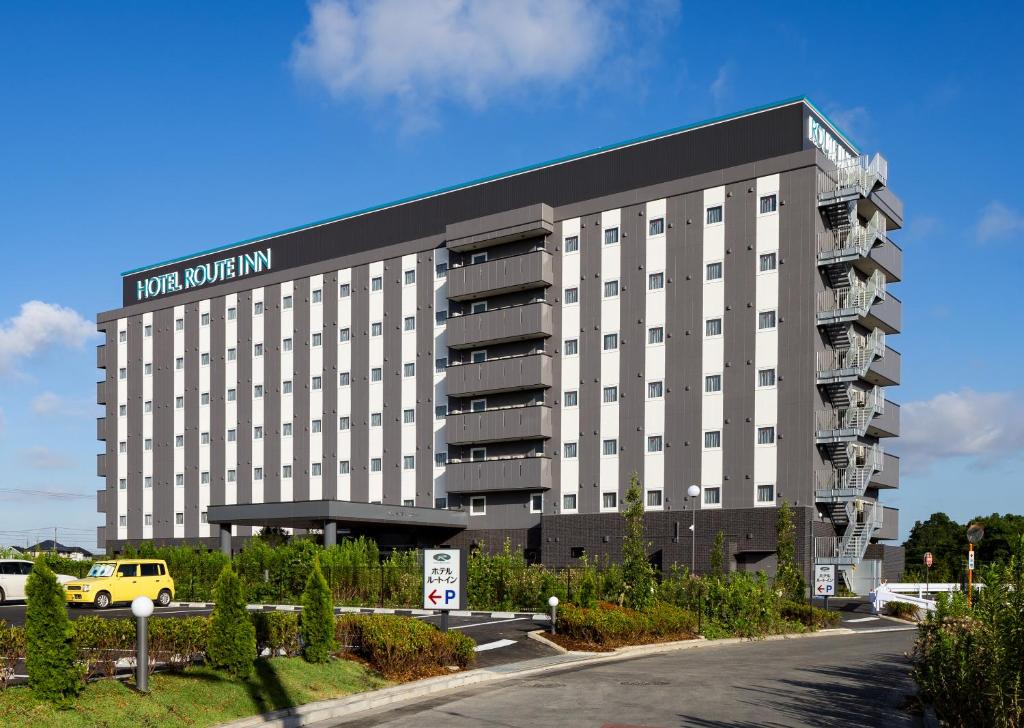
x=150, y=569
x=128, y=569
x=101, y=570
x=8, y=568
x=23, y=567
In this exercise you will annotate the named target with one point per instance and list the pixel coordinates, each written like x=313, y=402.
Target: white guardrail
x=903, y=591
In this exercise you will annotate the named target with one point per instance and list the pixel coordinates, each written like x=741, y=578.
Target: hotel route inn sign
x=203, y=274
x=443, y=574
x=824, y=580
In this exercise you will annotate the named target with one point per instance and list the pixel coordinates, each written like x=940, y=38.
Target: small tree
x=232, y=640
x=718, y=556
x=317, y=617
x=637, y=572
x=788, y=578
x=51, y=650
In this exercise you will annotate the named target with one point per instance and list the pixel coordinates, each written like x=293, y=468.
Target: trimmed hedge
x=399, y=647
x=277, y=633
x=902, y=610
x=608, y=625
x=814, y=617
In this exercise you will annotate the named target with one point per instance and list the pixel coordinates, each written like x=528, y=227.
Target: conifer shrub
x=50, y=662
x=317, y=624
x=231, y=643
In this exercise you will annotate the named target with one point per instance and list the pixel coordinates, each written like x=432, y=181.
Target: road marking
x=863, y=619
x=481, y=624
x=494, y=645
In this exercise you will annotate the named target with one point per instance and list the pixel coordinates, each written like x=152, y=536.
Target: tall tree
x=945, y=539
x=637, y=572
x=788, y=577
x=51, y=653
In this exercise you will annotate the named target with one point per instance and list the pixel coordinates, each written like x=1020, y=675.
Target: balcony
x=101, y=501
x=852, y=362
x=101, y=428
x=839, y=484
x=852, y=179
x=890, y=528
x=101, y=538
x=101, y=465
x=886, y=370
x=889, y=475
x=499, y=425
x=483, y=476
x=503, y=275
x=101, y=356
x=855, y=301
x=499, y=375
x=867, y=247
x=888, y=257
x=886, y=315
x=887, y=422
x=499, y=326
x=504, y=227
x=101, y=392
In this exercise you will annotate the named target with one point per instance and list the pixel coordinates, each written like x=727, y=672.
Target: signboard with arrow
x=824, y=580
x=443, y=571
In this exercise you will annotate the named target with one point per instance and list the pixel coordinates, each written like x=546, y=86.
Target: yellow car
x=121, y=581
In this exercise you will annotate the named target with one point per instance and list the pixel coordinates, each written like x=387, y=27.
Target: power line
x=53, y=494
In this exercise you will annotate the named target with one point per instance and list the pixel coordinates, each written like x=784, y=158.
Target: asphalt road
x=836, y=682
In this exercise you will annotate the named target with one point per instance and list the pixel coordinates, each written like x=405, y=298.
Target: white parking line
x=494, y=645
x=863, y=619
x=481, y=624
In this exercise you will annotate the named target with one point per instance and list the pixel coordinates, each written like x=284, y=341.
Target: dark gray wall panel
x=589, y=450
x=330, y=392
x=425, y=356
x=360, y=384
x=555, y=345
x=272, y=335
x=301, y=382
x=632, y=345
x=163, y=423
x=391, y=491
x=243, y=400
x=192, y=406
x=134, y=436
x=217, y=401
x=110, y=446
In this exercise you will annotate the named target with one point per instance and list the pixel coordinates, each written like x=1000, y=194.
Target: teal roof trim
x=501, y=175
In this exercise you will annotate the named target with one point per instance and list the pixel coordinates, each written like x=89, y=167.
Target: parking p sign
x=824, y=580
x=443, y=570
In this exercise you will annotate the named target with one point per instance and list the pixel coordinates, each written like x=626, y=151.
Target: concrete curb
x=538, y=636
x=536, y=617
x=310, y=713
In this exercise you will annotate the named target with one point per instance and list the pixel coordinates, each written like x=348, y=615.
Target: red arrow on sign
x=433, y=596
x=821, y=588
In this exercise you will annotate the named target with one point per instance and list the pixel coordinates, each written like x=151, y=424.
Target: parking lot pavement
x=14, y=612
x=498, y=641
x=857, y=614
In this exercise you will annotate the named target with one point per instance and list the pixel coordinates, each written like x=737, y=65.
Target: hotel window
x=147, y=444
x=610, y=447
x=204, y=477
x=232, y=476
x=611, y=289
x=257, y=349
x=655, y=281
x=766, y=377
x=609, y=500
x=572, y=347
x=712, y=383
x=377, y=283
x=286, y=344
x=767, y=262
x=204, y=398
x=441, y=270
x=572, y=244
x=232, y=354
x=713, y=496
x=375, y=419
x=286, y=302
x=179, y=441
x=714, y=215
x=441, y=365
x=478, y=258
x=122, y=373
x=479, y=356
x=410, y=277
x=375, y=465
x=344, y=335
x=232, y=395
x=317, y=383
x=656, y=335
x=205, y=319
x=408, y=503
x=766, y=493
x=655, y=443
x=122, y=336
x=316, y=470
x=148, y=519
x=122, y=446
x=286, y=429
x=344, y=290
x=344, y=423
x=344, y=467
x=478, y=307
x=257, y=308
x=656, y=226
x=179, y=363
x=440, y=459
x=570, y=450
x=147, y=406
x=179, y=402
x=147, y=369
x=572, y=295
x=712, y=439
x=478, y=405
x=204, y=438
x=257, y=391
x=204, y=359
x=409, y=324
x=569, y=502
x=769, y=204
x=344, y=379
x=123, y=484
x=478, y=505
x=409, y=369
x=536, y=502
x=286, y=386
x=440, y=411
x=122, y=410
x=409, y=462
x=571, y=398
x=147, y=330
x=611, y=236
x=179, y=480
x=376, y=328
x=765, y=320
x=318, y=295
x=713, y=327
x=232, y=435
x=610, y=395
x=654, y=499
x=122, y=521
x=765, y=435
x=179, y=519
x=232, y=313
x=147, y=482
x=316, y=426
x=257, y=473
x=376, y=374
x=408, y=416
x=611, y=342
x=317, y=339
x=713, y=271
x=257, y=432
x=655, y=390
x=202, y=517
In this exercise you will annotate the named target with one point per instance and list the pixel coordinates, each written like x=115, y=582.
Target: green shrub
x=100, y=643
x=399, y=647
x=50, y=662
x=789, y=578
x=317, y=618
x=805, y=614
x=12, y=649
x=278, y=633
x=231, y=644
x=638, y=574
x=740, y=604
x=608, y=625
x=902, y=610
x=177, y=643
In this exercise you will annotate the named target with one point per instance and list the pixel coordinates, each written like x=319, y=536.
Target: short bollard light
x=553, y=603
x=142, y=608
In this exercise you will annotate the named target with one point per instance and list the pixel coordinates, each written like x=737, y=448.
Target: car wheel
x=3, y=597
x=164, y=598
x=102, y=600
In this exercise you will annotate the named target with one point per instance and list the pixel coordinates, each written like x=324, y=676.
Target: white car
x=13, y=575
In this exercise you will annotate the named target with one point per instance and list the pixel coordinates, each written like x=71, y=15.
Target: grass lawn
x=197, y=697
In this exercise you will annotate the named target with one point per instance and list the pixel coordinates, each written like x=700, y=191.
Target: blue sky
x=135, y=132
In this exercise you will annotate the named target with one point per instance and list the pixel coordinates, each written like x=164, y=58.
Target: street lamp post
x=975, y=532
x=142, y=608
x=693, y=491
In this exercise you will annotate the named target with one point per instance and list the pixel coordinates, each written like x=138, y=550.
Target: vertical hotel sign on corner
x=203, y=274
x=823, y=139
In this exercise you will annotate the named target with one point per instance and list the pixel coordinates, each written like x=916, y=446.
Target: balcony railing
x=856, y=176
x=850, y=242
x=851, y=302
x=835, y=484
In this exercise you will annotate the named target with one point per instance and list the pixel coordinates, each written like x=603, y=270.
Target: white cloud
x=47, y=403
x=469, y=51
x=43, y=458
x=998, y=221
x=854, y=121
x=985, y=426
x=722, y=84
x=39, y=326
